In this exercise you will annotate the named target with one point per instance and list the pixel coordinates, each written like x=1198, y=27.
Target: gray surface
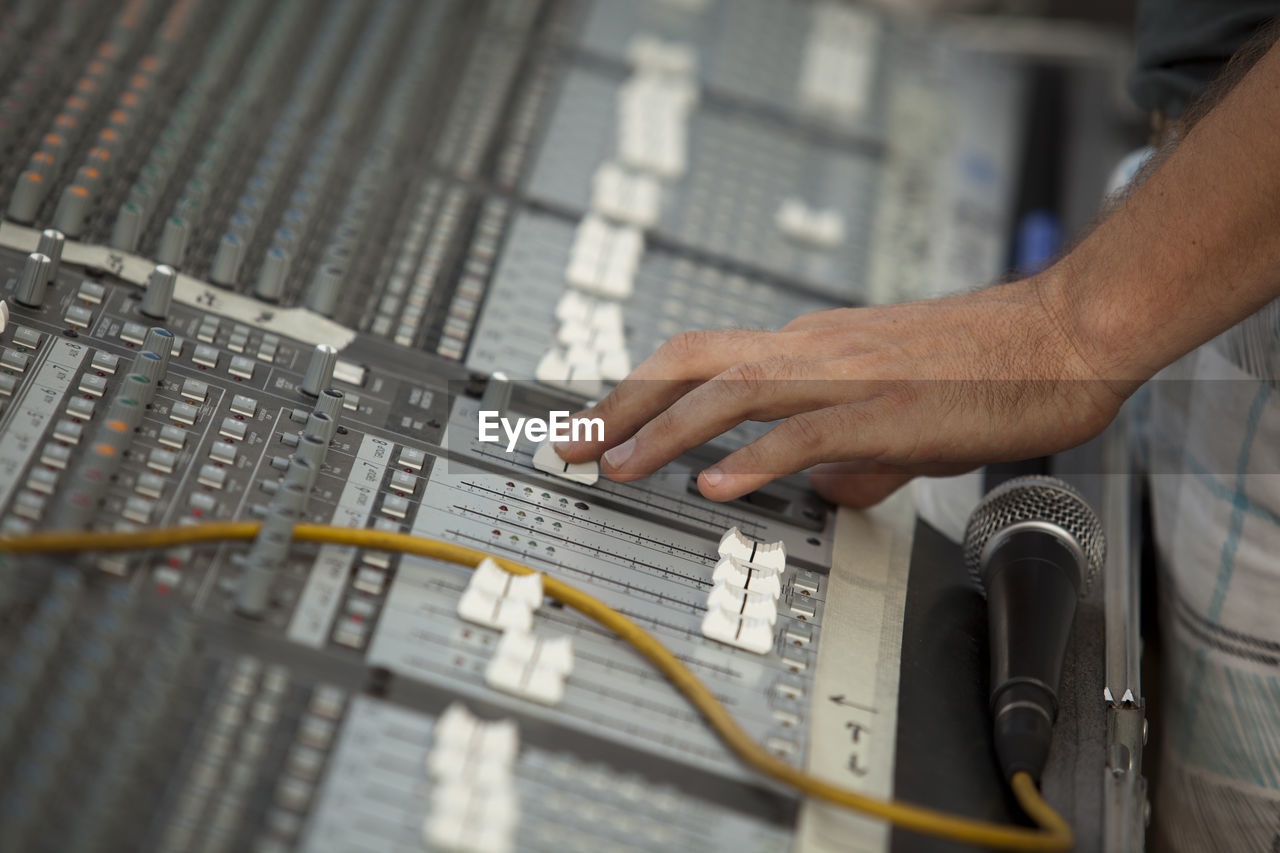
x=740, y=170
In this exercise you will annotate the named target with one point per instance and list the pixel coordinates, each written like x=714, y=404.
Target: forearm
x=1192, y=251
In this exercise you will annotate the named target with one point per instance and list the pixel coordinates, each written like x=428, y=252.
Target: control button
x=412, y=457
x=162, y=343
x=319, y=374
x=72, y=207
x=212, y=476
x=771, y=555
x=173, y=241
x=68, y=431
x=795, y=659
x=93, y=385
x=78, y=316
x=754, y=635
x=138, y=509
x=26, y=337
x=55, y=455
x=133, y=333
x=149, y=485
x=403, y=482
x=546, y=459
x=531, y=667
x=395, y=506
x=351, y=402
x=743, y=602
x=322, y=295
x=498, y=599
x=91, y=292
x=162, y=461
x=223, y=453
x=803, y=608
x=33, y=281
x=42, y=480
x=242, y=405
x=208, y=330
x=349, y=373
x=195, y=390
x=27, y=195
x=203, y=502
x=105, y=362
x=272, y=275
x=127, y=227
x=241, y=367
x=28, y=505
x=79, y=407
x=238, y=341
x=369, y=580
x=205, y=355
x=183, y=413
x=233, y=429
x=8, y=384
x=13, y=360
x=806, y=582
x=172, y=436
x=748, y=576
x=797, y=634
x=226, y=261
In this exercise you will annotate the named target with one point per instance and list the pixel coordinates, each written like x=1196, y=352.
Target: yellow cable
x=1053, y=835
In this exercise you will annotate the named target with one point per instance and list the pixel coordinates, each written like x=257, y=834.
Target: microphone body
x=1034, y=545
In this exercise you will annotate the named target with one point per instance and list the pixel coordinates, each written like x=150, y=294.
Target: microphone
x=1034, y=545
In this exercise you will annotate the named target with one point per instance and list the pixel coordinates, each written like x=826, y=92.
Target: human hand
x=935, y=387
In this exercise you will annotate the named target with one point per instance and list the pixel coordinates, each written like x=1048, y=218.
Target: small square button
x=134, y=333
x=78, y=316
x=149, y=485
x=241, y=367
x=162, y=461
x=242, y=405
x=403, y=482
x=105, y=362
x=395, y=506
x=15, y=361
x=205, y=355
x=183, y=413
x=212, y=476
x=232, y=429
x=93, y=385
x=173, y=436
x=91, y=292
x=412, y=457
x=195, y=390
x=223, y=452
x=26, y=337
x=68, y=431
x=79, y=407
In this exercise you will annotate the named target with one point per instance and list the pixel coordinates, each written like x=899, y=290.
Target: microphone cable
x=1053, y=835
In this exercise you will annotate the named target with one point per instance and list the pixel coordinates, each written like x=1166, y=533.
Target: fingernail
x=713, y=476
x=618, y=456
x=563, y=447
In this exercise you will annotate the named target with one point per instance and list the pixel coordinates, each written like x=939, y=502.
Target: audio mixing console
x=266, y=261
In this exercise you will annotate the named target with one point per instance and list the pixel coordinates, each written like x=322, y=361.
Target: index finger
x=683, y=362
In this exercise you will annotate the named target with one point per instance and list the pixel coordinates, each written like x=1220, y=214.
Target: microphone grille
x=1035, y=498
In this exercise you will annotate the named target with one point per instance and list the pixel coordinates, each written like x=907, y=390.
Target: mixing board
x=268, y=261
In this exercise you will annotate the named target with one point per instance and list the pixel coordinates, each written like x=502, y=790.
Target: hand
x=935, y=387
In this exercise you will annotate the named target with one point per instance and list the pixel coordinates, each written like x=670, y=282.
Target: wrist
x=1092, y=329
